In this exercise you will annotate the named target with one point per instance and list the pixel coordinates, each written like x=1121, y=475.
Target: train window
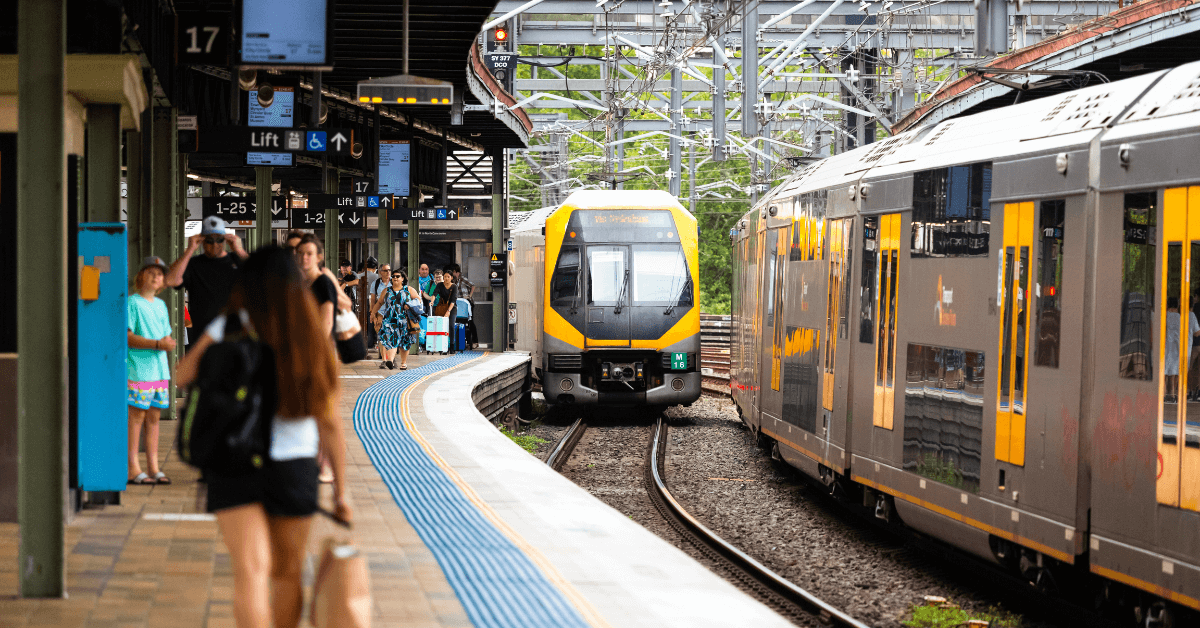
x=839, y=243
x=808, y=227
x=866, y=313
x=801, y=374
x=951, y=211
x=1137, y=285
x=606, y=274
x=943, y=406
x=660, y=275
x=848, y=249
x=1048, y=291
x=564, y=283
x=776, y=296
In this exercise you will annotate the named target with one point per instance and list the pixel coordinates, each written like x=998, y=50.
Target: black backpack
x=226, y=423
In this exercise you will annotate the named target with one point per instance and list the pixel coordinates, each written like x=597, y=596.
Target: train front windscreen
x=625, y=258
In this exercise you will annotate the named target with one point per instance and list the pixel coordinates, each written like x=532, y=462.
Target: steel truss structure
x=671, y=79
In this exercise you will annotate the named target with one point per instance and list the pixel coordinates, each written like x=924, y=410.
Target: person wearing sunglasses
x=208, y=278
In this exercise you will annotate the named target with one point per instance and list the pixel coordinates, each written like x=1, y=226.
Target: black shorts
x=285, y=488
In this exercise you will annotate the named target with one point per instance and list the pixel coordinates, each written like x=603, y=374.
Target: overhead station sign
x=394, y=167
x=424, y=213
x=240, y=208
x=286, y=34
x=242, y=139
x=352, y=209
x=278, y=112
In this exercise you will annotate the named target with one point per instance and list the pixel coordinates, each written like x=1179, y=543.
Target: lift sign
x=678, y=361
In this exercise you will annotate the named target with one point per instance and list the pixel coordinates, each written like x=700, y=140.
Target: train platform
x=461, y=528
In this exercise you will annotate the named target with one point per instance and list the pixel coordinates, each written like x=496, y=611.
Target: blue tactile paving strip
x=497, y=584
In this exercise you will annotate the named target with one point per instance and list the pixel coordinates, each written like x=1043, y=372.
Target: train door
x=887, y=275
x=1015, y=298
x=771, y=399
x=768, y=247
x=837, y=303
x=1179, y=401
x=608, y=295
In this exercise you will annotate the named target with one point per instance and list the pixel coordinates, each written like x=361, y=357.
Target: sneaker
x=392, y=364
x=383, y=364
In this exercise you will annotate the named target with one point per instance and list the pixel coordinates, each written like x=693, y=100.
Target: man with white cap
x=208, y=278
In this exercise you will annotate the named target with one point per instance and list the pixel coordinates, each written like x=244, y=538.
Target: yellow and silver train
x=607, y=294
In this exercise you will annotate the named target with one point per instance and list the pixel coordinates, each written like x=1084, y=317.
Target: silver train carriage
x=975, y=326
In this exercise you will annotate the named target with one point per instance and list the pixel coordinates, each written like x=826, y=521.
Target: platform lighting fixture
x=404, y=89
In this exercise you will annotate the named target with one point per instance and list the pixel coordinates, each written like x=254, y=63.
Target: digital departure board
x=281, y=113
x=286, y=34
x=394, y=158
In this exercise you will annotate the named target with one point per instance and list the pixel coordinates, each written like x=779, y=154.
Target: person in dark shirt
x=308, y=256
x=208, y=278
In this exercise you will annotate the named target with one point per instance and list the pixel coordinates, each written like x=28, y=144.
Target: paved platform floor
x=157, y=559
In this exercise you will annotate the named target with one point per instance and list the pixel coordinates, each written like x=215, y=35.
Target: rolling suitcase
x=437, y=334
x=460, y=337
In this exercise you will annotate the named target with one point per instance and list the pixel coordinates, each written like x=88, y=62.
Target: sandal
x=140, y=478
x=403, y=367
x=161, y=478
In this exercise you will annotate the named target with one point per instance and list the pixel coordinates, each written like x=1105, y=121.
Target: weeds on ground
x=528, y=442
x=949, y=615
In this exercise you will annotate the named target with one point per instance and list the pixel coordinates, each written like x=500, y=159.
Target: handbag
x=349, y=336
x=342, y=588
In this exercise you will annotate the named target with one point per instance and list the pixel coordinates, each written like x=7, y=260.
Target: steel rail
x=758, y=576
x=562, y=451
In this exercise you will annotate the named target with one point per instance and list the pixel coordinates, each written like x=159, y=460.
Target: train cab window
x=564, y=283
x=660, y=275
x=866, y=312
x=951, y=211
x=808, y=227
x=1137, y=285
x=1048, y=290
x=607, y=274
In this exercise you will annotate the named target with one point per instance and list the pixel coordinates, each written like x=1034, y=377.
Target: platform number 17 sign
x=203, y=38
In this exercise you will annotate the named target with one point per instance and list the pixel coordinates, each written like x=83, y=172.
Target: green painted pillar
x=103, y=163
x=42, y=302
x=262, y=200
x=332, y=230
x=413, y=264
x=177, y=245
x=499, y=222
x=384, y=233
x=133, y=197
x=164, y=223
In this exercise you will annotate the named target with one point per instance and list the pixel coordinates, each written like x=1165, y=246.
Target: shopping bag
x=342, y=589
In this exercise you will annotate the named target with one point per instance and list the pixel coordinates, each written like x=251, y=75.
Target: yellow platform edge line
x=581, y=603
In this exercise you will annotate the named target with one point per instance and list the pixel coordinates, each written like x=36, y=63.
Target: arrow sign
x=347, y=206
x=238, y=208
x=385, y=201
x=423, y=213
x=453, y=215
x=338, y=140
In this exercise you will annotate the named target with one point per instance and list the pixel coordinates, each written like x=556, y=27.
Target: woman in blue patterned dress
x=401, y=326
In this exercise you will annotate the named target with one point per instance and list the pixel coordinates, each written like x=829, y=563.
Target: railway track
x=753, y=577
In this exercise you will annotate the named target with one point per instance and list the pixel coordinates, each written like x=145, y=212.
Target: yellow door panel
x=1016, y=270
x=885, y=330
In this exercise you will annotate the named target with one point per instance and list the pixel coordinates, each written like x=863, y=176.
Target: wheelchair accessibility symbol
x=372, y=201
x=316, y=140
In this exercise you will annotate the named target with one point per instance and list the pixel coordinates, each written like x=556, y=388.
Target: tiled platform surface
x=126, y=569
x=147, y=563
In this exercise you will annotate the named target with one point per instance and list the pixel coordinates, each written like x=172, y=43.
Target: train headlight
x=677, y=384
x=627, y=373
x=566, y=384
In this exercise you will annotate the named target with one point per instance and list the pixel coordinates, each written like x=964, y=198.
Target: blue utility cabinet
x=100, y=371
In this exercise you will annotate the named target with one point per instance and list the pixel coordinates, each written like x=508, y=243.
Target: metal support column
x=676, y=129
x=163, y=223
x=262, y=203
x=718, y=107
x=692, y=174
x=103, y=163
x=619, y=134
x=384, y=234
x=749, y=68
x=41, y=300
x=413, y=200
x=333, y=223
x=133, y=196
x=499, y=222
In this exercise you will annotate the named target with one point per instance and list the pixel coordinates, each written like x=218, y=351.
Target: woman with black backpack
x=264, y=507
